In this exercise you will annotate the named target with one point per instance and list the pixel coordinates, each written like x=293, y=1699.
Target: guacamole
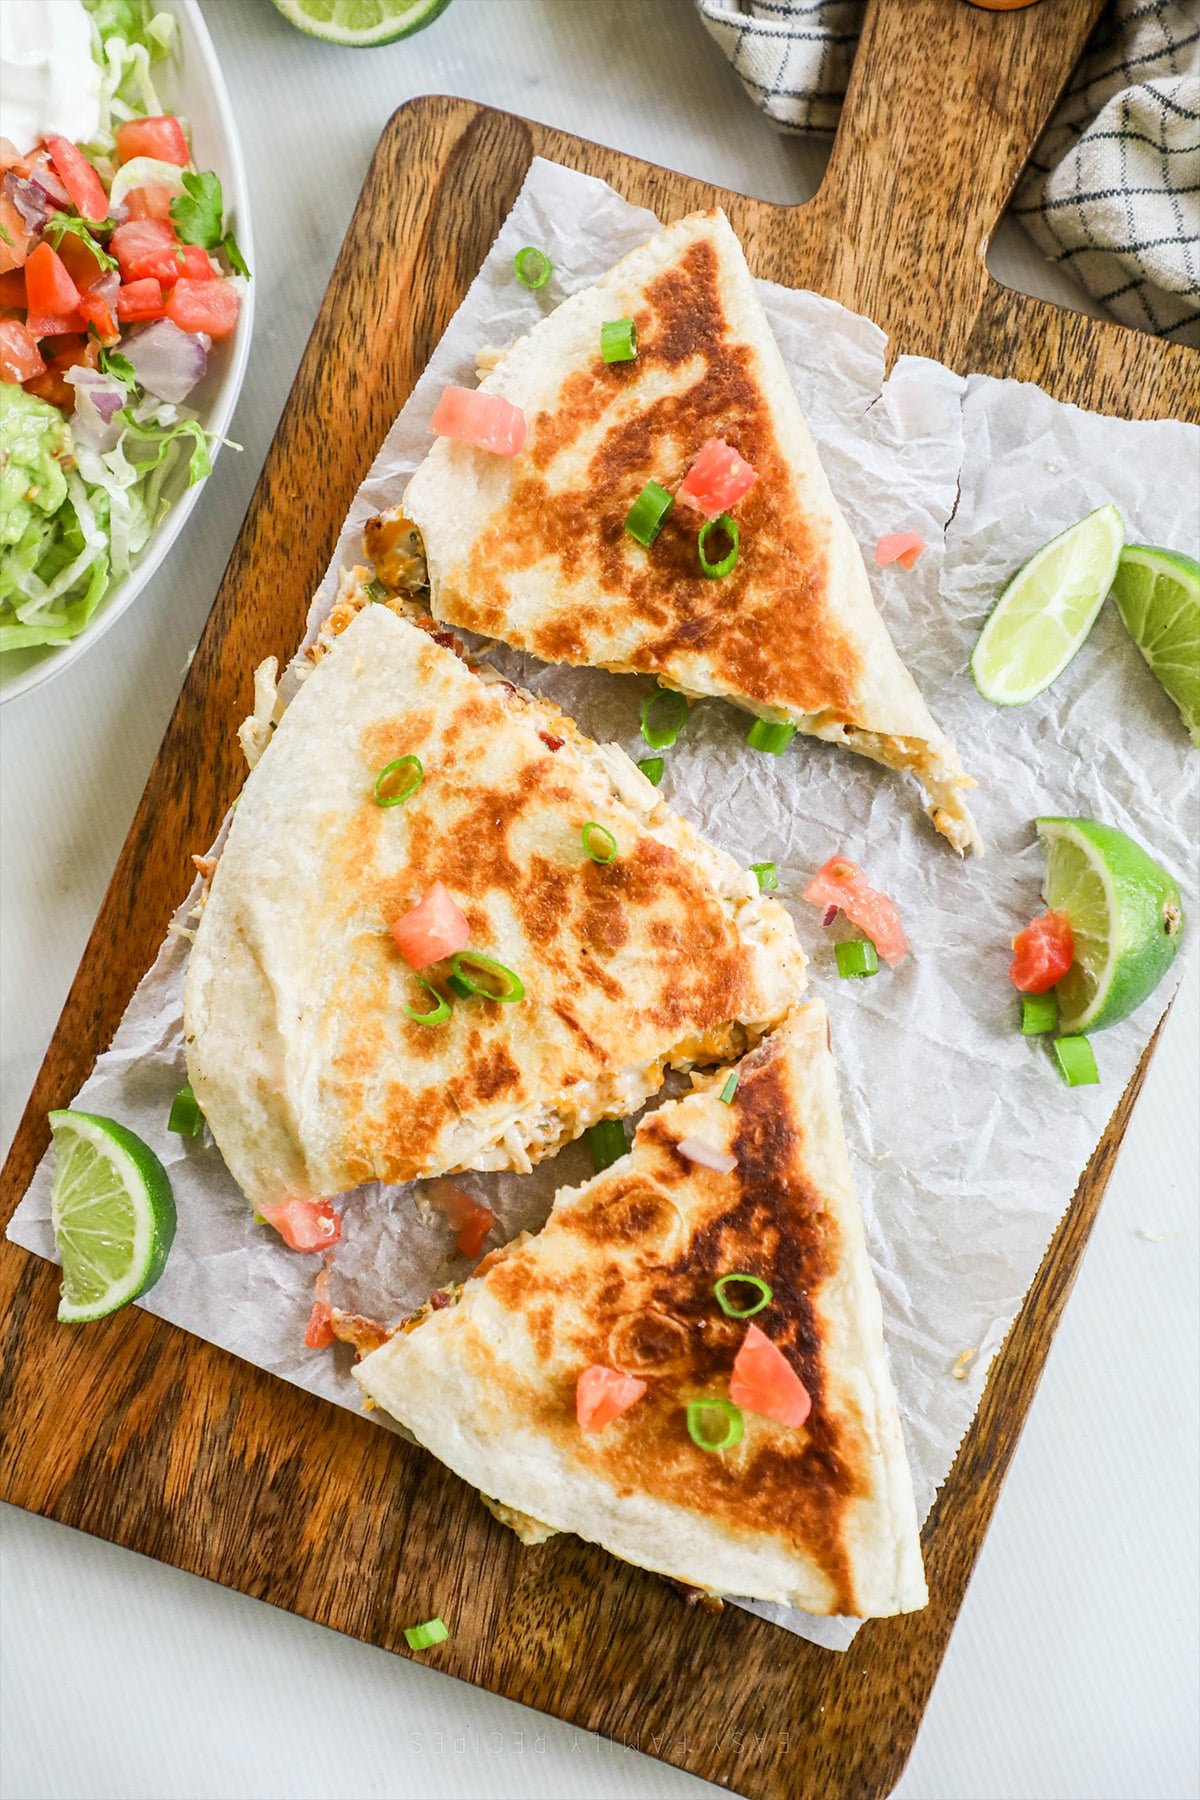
x=35, y=442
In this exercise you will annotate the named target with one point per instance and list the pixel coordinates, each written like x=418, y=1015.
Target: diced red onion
x=831, y=913
x=106, y=287
x=43, y=176
x=29, y=199
x=168, y=362
x=697, y=1151
x=98, y=400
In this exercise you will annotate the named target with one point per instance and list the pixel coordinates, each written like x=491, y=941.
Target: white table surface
x=1074, y=1668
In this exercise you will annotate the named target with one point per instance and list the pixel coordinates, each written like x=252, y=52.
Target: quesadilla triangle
x=621, y=943
x=533, y=548
x=633, y=1276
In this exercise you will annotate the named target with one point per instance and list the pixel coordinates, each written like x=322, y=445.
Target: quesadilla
x=533, y=548
x=603, y=940
x=686, y=1365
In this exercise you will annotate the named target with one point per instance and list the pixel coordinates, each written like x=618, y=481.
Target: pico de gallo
x=117, y=274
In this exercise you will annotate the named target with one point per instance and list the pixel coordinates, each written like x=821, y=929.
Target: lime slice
x=1047, y=609
x=1158, y=597
x=113, y=1215
x=1125, y=913
x=360, y=23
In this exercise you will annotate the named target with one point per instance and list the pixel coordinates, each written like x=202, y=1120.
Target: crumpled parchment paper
x=966, y=1145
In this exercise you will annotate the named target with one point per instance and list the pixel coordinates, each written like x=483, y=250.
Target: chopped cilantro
x=196, y=212
x=236, y=260
x=113, y=363
x=5, y=236
x=60, y=224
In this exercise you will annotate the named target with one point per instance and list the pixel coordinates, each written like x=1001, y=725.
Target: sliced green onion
x=506, y=984
x=764, y=1294
x=376, y=590
x=424, y=1637
x=671, y=711
x=185, y=1118
x=462, y=988
x=734, y=1424
x=724, y=565
x=644, y=519
x=532, y=267
x=606, y=1141
x=618, y=340
x=730, y=1089
x=1077, y=1061
x=856, y=957
x=652, y=768
x=440, y=1012
x=1039, y=1013
x=398, y=781
x=767, y=876
x=599, y=842
x=766, y=735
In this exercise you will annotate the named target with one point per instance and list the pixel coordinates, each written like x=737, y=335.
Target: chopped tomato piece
x=1044, y=952
x=304, y=1224
x=52, y=295
x=210, y=306
x=717, y=479
x=15, y=236
x=161, y=137
x=602, y=1395
x=141, y=247
x=150, y=202
x=903, y=547
x=841, y=883
x=11, y=158
x=97, y=312
x=79, y=178
x=319, y=1333
x=764, y=1381
x=432, y=929
x=486, y=420
x=68, y=352
x=12, y=288
x=79, y=262
x=470, y=1219
x=20, y=358
x=140, y=300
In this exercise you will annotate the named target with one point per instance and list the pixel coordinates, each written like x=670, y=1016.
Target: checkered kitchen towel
x=1113, y=188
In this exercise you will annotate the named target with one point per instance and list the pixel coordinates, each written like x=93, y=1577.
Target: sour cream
x=49, y=84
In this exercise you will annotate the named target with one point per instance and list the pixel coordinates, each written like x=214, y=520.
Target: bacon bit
x=903, y=547
x=551, y=743
x=443, y=1297
x=354, y=1328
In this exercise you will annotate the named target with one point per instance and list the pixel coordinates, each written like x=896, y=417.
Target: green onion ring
x=729, y=1090
x=672, y=710
x=645, y=517
x=618, y=340
x=185, y=1119
x=735, y=1425
x=440, y=1013
x=424, y=1637
x=462, y=988
x=415, y=776
x=1076, y=1061
x=767, y=876
x=1039, y=1013
x=652, y=768
x=532, y=267
x=606, y=1141
x=766, y=734
x=726, y=564
x=856, y=958
x=593, y=832
x=511, y=986
x=764, y=1291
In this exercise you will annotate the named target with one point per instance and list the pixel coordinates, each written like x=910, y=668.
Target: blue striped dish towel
x=1112, y=190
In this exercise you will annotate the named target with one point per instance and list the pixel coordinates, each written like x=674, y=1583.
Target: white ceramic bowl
x=191, y=84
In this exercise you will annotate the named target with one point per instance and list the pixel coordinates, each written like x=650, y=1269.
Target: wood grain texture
x=138, y=1433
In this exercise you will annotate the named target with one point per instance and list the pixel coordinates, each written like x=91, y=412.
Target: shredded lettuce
x=128, y=38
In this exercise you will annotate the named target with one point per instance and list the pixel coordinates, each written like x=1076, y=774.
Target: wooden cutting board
x=141, y=1434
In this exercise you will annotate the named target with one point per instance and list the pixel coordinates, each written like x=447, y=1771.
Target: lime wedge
x=113, y=1215
x=1047, y=609
x=1125, y=913
x=1158, y=597
x=360, y=23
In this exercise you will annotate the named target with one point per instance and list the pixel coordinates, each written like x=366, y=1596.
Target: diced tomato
x=161, y=137
x=63, y=353
x=1044, y=952
x=210, y=306
x=432, y=929
x=717, y=479
x=841, y=883
x=11, y=158
x=15, y=236
x=79, y=178
x=140, y=300
x=470, y=1219
x=764, y=1381
x=20, y=359
x=319, y=1334
x=141, y=246
x=304, y=1224
x=12, y=288
x=903, y=547
x=150, y=202
x=79, y=262
x=96, y=312
x=486, y=420
x=52, y=295
x=602, y=1395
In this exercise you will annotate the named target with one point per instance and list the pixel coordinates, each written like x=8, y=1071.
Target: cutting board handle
x=945, y=103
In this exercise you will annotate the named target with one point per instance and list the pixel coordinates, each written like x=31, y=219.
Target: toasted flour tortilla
x=308, y=1071
x=819, y=1516
x=532, y=549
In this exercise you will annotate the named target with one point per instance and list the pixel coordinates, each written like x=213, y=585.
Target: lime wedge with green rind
x=1158, y=597
x=1044, y=614
x=113, y=1215
x=1126, y=917
x=359, y=24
